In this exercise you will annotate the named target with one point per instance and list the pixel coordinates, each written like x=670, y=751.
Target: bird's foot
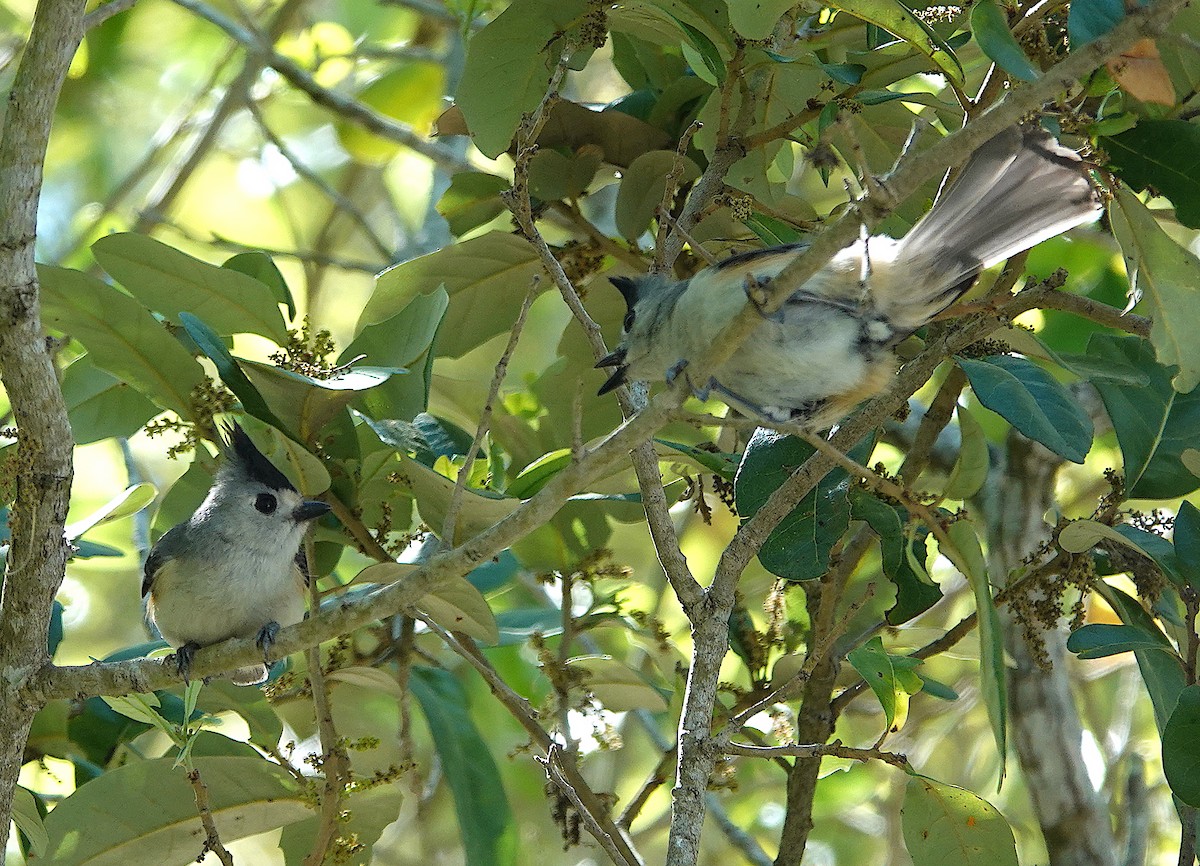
x=266, y=639
x=183, y=660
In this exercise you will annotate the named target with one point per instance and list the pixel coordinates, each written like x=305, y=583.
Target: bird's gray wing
x=164, y=550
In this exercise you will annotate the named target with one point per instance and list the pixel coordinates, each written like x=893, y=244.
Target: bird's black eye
x=265, y=503
x=628, y=323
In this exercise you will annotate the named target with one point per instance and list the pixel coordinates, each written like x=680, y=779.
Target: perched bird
x=232, y=569
x=830, y=345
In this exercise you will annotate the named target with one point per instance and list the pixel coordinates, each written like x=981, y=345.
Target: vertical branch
x=485, y=418
x=38, y=554
x=335, y=763
x=212, y=839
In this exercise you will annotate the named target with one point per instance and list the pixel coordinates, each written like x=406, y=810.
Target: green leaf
x=799, y=547
x=757, y=20
x=121, y=337
x=169, y=281
x=1154, y=423
x=1161, y=671
x=458, y=606
x=1166, y=278
x=145, y=812
x=971, y=468
x=411, y=92
x=1186, y=541
x=471, y=200
x=508, y=68
x=554, y=176
x=128, y=502
x=101, y=406
x=967, y=557
x=896, y=18
x=261, y=267
x=944, y=824
x=1099, y=640
x=485, y=821
x=1030, y=399
x=29, y=820
x=1181, y=747
x=1091, y=19
x=481, y=275
x=903, y=557
x=140, y=708
x=875, y=667
x=306, y=405
x=403, y=340
x=231, y=374
x=1163, y=155
x=990, y=27
x=433, y=491
x=533, y=477
x=642, y=187
x=616, y=685
x=719, y=463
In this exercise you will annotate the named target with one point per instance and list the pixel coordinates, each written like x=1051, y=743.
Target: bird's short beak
x=612, y=359
x=616, y=380
x=310, y=509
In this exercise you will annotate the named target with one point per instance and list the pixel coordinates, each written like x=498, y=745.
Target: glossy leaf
x=967, y=557
x=262, y=267
x=508, y=67
x=121, y=337
x=990, y=27
x=130, y=501
x=533, y=477
x=1165, y=278
x=1100, y=640
x=1163, y=155
x=485, y=821
x=944, y=824
x=903, y=554
x=1091, y=19
x=875, y=667
x=231, y=374
x=471, y=200
x=1161, y=671
x=616, y=685
x=1180, y=750
x=306, y=405
x=101, y=406
x=1154, y=423
x=433, y=491
x=481, y=275
x=1186, y=541
x=169, y=281
x=896, y=18
x=757, y=20
x=458, y=606
x=641, y=190
x=970, y=469
x=1029, y=398
x=145, y=811
x=799, y=547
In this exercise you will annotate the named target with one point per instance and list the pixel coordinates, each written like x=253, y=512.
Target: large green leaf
x=1154, y=423
x=799, y=547
x=481, y=276
x=231, y=374
x=1165, y=277
x=875, y=667
x=757, y=20
x=1163, y=155
x=1181, y=747
x=1030, y=399
x=967, y=557
x=121, y=336
x=1091, y=19
x=1161, y=671
x=902, y=554
x=403, y=340
x=1100, y=640
x=100, y=405
x=949, y=826
x=642, y=187
x=485, y=822
x=895, y=17
x=990, y=27
x=169, y=281
x=145, y=811
x=306, y=404
x=508, y=67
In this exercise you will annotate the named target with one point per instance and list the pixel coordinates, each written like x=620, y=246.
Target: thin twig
x=212, y=839
x=834, y=749
x=102, y=13
x=485, y=417
x=553, y=761
x=335, y=763
x=670, y=188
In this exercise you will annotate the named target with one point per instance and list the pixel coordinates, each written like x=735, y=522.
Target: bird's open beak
x=310, y=509
x=616, y=380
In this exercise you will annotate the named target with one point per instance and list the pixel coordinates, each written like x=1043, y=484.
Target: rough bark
x=38, y=553
x=1044, y=722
